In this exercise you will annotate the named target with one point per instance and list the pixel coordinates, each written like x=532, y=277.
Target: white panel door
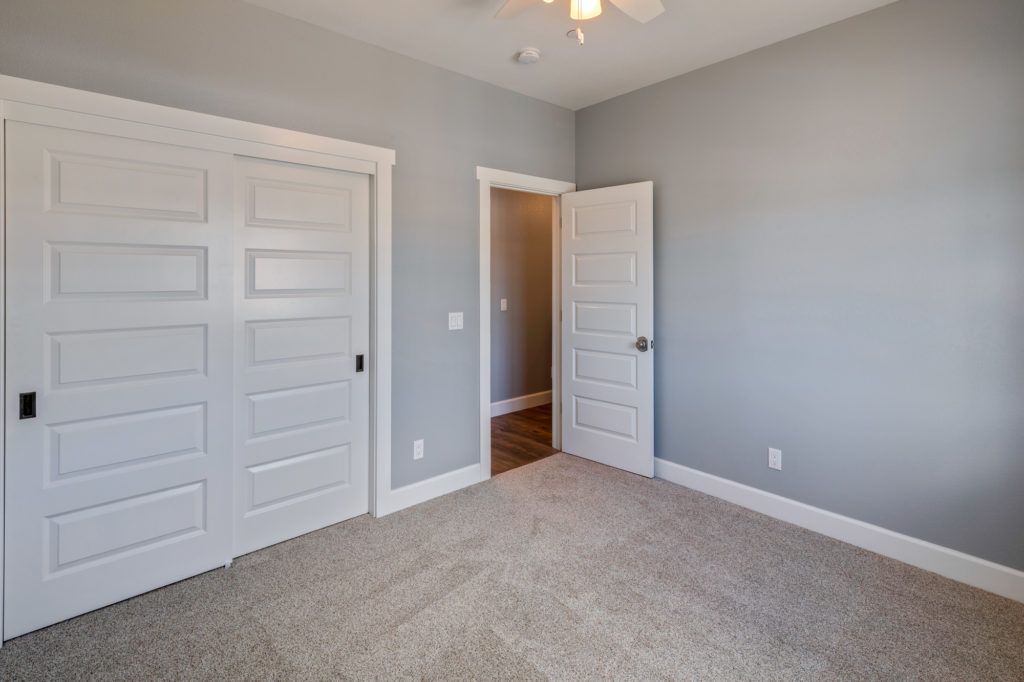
x=607, y=322
x=302, y=408
x=119, y=320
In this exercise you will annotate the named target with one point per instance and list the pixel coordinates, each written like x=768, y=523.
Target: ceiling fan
x=579, y=10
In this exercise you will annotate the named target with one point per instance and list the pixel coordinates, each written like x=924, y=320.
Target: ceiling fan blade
x=641, y=10
x=514, y=7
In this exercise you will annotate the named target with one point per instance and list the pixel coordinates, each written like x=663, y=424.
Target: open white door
x=607, y=322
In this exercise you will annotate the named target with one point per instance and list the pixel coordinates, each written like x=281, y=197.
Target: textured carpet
x=560, y=569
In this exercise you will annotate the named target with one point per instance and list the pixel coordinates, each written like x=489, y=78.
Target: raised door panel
x=285, y=274
x=604, y=269
x=298, y=340
x=609, y=369
x=594, y=221
x=299, y=407
x=598, y=318
x=125, y=187
x=102, y=444
x=117, y=272
x=100, y=534
x=140, y=354
x=309, y=473
x=297, y=205
x=605, y=418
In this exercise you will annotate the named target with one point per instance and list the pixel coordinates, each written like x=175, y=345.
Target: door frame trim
x=493, y=178
x=48, y=104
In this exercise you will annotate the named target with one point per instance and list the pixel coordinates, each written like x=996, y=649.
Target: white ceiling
x=620, y=55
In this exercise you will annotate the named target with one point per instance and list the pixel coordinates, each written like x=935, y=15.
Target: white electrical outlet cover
x=775, y=459
x=417, y=449
x=504, y=304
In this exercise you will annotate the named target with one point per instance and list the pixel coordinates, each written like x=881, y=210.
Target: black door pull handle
x=27, y=405
x=359, y=363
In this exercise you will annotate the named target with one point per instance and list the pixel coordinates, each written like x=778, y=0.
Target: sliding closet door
x=186, y=368
x=119, y=344
x=302, y=394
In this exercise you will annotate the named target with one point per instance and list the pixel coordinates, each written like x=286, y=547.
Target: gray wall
x=521, y=273
x=233, y=59
x=839, y=254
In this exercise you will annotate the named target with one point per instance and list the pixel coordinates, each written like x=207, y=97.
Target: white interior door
x=302, y=302
x=119, y=321
x=607, y=323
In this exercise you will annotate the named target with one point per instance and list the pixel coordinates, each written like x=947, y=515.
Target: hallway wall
x=521, y=273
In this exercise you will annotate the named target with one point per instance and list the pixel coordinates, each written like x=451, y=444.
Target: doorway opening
x=520, y=335
x=522, y=234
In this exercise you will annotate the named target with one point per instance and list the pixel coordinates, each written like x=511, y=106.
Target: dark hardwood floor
x=519, y=438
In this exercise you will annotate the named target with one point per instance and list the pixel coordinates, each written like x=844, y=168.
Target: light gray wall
x=233, y=59
x=521, y=273
x=839, y=254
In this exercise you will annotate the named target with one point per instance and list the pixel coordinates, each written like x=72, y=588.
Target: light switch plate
x=504, y=304
x=454, y=321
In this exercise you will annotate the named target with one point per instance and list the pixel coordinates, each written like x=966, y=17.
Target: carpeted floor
x=560, y=569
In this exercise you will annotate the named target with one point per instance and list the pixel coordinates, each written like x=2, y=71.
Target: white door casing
x=607, y=306
x=489, y=178
x=119, y=318
x=302, y=303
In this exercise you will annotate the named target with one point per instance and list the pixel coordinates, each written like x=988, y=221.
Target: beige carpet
x=562, y=569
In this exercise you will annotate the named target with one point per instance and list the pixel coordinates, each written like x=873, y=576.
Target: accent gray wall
x=839, y=258
x=233, y=59
x=520, y=272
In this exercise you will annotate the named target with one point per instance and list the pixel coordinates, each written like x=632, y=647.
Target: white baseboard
x=987, y=575
x=414, y=493
x=523, y=402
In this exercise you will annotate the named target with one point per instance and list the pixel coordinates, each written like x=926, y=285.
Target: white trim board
x=428, y=489
x=130, y=111
x=3, y=347
x=523, y=402
x=488, y=178
x=987, y=575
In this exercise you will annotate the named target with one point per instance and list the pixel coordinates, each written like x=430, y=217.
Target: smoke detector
x=528, y=55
